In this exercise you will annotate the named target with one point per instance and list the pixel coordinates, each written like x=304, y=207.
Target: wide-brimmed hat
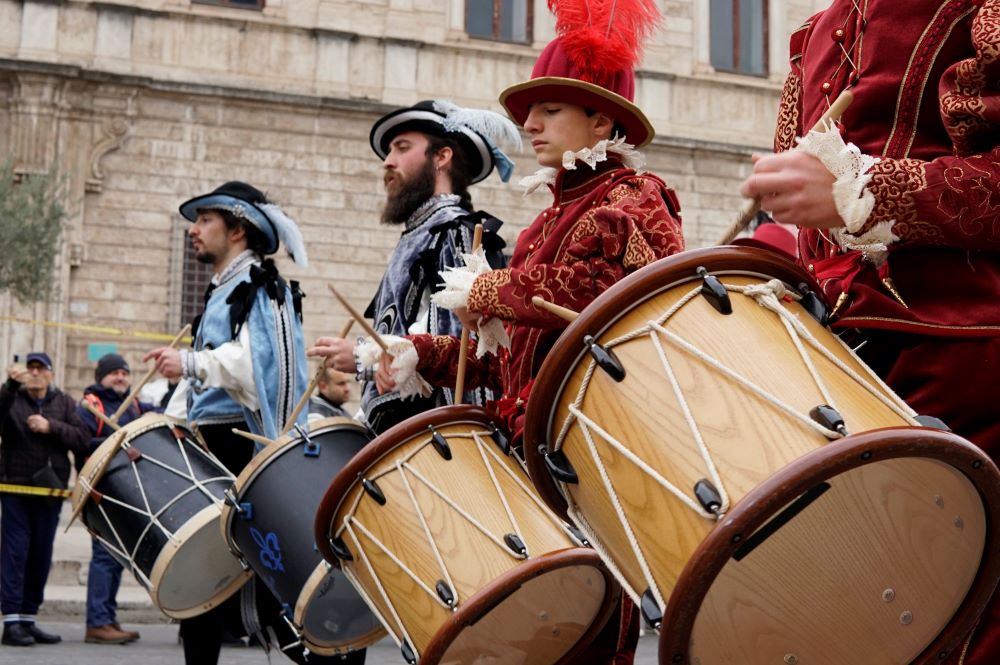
x=477, y=131
x=251, y=205
x=590, y=64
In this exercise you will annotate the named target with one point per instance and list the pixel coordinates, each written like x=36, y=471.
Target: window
x=500, y=20
x=196, y=277
x=239, y=4
x=739, y=36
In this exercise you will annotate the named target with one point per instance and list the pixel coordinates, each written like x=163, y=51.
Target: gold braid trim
x=788, y=114
x=485, y=294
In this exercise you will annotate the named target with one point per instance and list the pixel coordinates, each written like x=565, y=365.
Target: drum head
x=878, y=548
x=333, y=617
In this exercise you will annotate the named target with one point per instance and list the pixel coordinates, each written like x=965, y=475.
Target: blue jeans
x=103, y=578
x=27, y=531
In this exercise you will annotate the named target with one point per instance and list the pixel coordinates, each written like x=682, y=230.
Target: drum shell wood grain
x=565, y=594
x=750, y=440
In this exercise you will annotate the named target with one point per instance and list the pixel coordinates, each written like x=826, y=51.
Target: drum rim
x=792, y=480
x=374, y=451
x=483, y=601
x=635, y=288
x=261, y=460
x=201, y=519
x=316, y=578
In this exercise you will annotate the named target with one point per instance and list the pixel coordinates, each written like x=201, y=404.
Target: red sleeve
x=438, y=362
x=636, y=224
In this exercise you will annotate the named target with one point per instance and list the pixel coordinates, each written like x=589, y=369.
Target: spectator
x=332, y=391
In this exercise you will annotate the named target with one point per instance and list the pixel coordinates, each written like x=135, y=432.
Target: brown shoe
x=133, y=635
x=106, y=634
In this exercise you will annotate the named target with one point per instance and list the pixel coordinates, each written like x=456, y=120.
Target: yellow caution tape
x=31, y=489
x=101, y=330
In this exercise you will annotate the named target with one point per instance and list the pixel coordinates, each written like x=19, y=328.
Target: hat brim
x=242, y=209
x=517, y=99
x=393, y=124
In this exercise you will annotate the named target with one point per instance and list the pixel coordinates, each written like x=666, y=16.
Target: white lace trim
x=630, y=157
x=409, y=383
x=850, y=167
x=873, y=243
x=458, y=282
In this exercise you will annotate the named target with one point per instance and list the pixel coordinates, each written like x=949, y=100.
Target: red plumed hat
x=591, y=62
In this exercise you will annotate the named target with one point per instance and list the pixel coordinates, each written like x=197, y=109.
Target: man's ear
x=238, y=232
x=603, y=125
x=442, y=158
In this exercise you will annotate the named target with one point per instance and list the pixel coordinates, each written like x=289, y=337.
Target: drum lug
x=577, y=535
x=339, y=548
x=373, y=491
x=445, y=593
x=516, y=545
x=708, y=496
x=814, y=305
x=132, y=453
x=560, y=468
x=408, y=654
x=828, y=417
x=309, y=448
x=440, y=444
x=931, y=421
x=651, y=612
x=605, y=359
x=245, y=510
x=500, y=439
x=714, y=292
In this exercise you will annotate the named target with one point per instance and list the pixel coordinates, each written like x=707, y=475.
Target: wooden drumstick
x=253, y=437
x=317, y=377
x=836, y=110
x=152, y=370
x=558, y=310
x=100, y=416
x=463, y=345
x=358, y=317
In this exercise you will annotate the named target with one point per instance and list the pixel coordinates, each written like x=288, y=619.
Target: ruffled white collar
x=629, y=156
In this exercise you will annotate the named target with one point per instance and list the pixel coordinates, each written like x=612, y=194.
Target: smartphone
x=17, y=357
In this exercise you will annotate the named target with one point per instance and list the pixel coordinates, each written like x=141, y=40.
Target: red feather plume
x=602, y=37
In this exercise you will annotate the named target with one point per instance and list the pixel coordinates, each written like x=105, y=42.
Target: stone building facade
x=143, y=104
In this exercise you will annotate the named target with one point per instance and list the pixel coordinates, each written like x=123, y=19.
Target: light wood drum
x=763, y=496
x=443, y=534
x=152, y=495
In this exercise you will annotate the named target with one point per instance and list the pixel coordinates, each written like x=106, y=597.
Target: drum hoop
x=603, y=313
x=374, y=451
x=163, y=560
x=791, y=481
x=266, y=457
x=97, y=463
x=483, y=601
x=308, y=589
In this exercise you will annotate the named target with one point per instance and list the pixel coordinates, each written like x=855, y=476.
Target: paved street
x=158, y=646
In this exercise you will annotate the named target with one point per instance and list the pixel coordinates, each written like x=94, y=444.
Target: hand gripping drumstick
x=152, y=370
x=311, y=387
x=836, y=110
x=463, y=345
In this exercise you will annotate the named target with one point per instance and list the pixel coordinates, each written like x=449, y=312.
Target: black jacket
x=23, y=452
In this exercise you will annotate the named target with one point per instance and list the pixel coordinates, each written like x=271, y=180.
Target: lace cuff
x=409, y=383
x=458, y=281
x=850, y=167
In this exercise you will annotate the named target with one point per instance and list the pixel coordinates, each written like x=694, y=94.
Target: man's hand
x=469, y=319
x=168, y=361
x=385, y=376
x=795, y=188
x=38, y=424
x=18, y=373
x=336, y=352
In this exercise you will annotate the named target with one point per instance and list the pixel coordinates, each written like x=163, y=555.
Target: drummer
x=249, y=332
x=606, y=220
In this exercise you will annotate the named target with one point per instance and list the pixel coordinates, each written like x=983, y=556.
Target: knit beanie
x=109, y=363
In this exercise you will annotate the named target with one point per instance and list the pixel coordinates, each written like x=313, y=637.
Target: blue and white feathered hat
x=251, y=205
x=478, y=131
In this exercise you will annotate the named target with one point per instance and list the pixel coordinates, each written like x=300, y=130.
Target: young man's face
x=336, y=386
x=117, y=380
x=556, y=127
x=209, y=236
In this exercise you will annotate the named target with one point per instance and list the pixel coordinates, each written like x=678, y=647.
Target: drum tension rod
x=440, y=444
x=605, y=359
x=931, y=421
x=828, y=417
x=515, y=544
x=814, y=305
x=408, y=654
x=243, y=509
x=577, y=535
x=445, y=593
x=309, y=448
x=339, y=548
x=500, y=439
x=558, y=465
x=708, y=496
x=373, y=491
x=651, y=612
x=713, y=290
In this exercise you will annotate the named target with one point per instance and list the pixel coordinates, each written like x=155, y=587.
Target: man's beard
x=411, y=195
x=204, y=257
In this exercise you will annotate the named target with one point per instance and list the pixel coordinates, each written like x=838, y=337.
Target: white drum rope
x=348, y=521
x=581, y=523
x=515, y=527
